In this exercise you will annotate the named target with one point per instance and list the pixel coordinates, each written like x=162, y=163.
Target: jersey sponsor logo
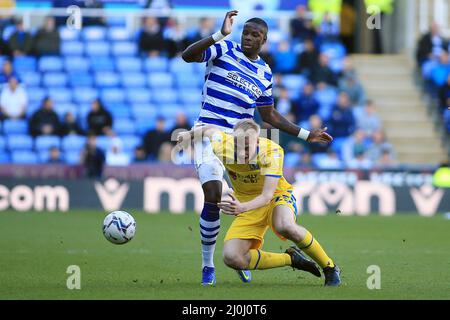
x=239, y=80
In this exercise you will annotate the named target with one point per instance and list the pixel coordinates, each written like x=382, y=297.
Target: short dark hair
x=259, y=22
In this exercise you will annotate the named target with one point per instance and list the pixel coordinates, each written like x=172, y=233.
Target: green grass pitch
x=163, y=260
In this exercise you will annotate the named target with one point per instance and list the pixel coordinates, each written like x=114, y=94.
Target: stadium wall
x=177, y=190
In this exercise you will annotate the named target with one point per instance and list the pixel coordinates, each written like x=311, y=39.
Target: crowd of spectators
x=350, y=117
x=433, y=61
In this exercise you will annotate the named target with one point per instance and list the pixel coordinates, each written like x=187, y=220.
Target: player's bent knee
x=212, y=191
x=234, y=260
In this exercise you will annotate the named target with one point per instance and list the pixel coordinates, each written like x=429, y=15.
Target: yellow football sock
x=312, y=248
x=266, y=260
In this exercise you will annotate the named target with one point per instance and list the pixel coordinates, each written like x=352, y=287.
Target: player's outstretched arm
x=270, y=115
x=197, y=133
x=194, y=53
x=234, y=207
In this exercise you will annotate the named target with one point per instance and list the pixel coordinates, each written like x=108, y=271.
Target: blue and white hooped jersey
x=234, y=86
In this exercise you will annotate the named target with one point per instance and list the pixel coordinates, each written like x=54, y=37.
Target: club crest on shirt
x=254, y=166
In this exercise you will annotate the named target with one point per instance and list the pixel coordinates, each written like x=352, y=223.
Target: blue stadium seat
x=107, y=79
x=103, y=142
x=30, y=78
x=145, y=125
x=25, y=63
x=334, y=50
x=97, y=48
x=62, y=108
x=188, y=80
x=67, y=34
x=93, y=33
x=162, y=96
x=2, y=143
x=72, y=157
x=178, y=65
x=4, y=158
x=190, y=97
x=36, y=94
x=76, y=64
x=72, y=48
x=80, y=79
x=138, y=95
x=54, y=79
x=326, y=96
x=8, y=31
x=156, y=64
x=32, y=107
x=142, y=111
x=124, y=48
x=60, y=95
x=159, y=80
x=112, y=95
x=73, y=143
x=50, y=63
x=118, y=34
x=133, y=80
x=46, y=142
x=169, y=111
x=119, y=112
x=19, y=142
x=124, y=127
x=84, y=94
x=102, y=63
x=130, y=142
x=43, y=156
x=294, y=82
x=116, y=21
x=24, y=157
x=128, y=64
x=15, y=127
x=337, y=65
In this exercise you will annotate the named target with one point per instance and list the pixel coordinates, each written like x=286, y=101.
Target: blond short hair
x=247, y=126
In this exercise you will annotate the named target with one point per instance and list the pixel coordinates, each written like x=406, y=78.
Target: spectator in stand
x=301, y=26
x=368, y=120
x=285, y=58
x=174, y=35
x=330, y=161
x=444, y=94
x=45, y=120
x=154, y=138
x=99, y=119
x=329, y=28
x=13, y=100
x=115, y=156
x=283, y=102
x=93, y=158
x=315, y=122
x=181, y=122
x=151, y=40
x=307, y=104
x=306, y=161
x=70, y=125
x=356, y=143
x=441, y=71
x=139, y=154
x=379, y=146
x=323, y=72
x=360, y=161
x=430, y=46
x=308, y=60
x=21, y=42
x=7, y=72
x=447, y=117
x=342, y=121
x=386, y=161
x=267, y=56
x=54, y=156
x=47, y=39
x=353, y=87
x=165, y=152
x=206, y=28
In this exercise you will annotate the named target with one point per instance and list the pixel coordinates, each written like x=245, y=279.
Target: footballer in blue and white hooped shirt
x=237, y=81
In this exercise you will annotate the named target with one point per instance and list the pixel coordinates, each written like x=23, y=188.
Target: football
x=119, y=227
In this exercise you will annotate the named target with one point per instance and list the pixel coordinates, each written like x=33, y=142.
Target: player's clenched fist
x=228, y=22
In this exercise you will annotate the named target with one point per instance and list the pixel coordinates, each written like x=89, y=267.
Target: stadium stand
x=138, y=87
